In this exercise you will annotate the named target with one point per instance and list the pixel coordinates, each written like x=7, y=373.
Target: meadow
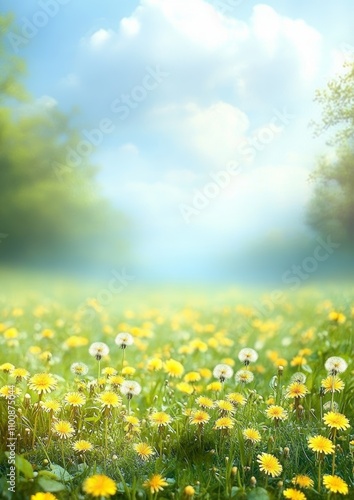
x=204, y=394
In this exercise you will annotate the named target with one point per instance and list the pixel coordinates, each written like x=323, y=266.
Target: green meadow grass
x=199, y=328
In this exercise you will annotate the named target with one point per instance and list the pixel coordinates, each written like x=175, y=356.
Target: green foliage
x=51, y=207
x=331, y=210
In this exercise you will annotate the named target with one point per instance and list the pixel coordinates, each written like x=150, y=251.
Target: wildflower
x=8, y=391
x=63, y=429
x=244, y=377
x=192, y=377
x=75, y=399
x=123, y=340
x=331, y=405
x=335, y=365
x=205, y=373
x=43, y=496
x=130, y=388
x=224, y=423
x=19, y=374
x=116, y=380
x=76, y=341
x=335, y=484
x=199, y=417
x=82, y=446
x=99, y=485
x=98, y=350
x=154, y=364
x=223, y=372
x=204, y=402
x=160, y=419
x=214, y=386
x=298, y=361
x=294, y=494
x=133, y=424
x=332, y=384
x=225, y=406
x=321, y=444
x=296, y=390
x=109, y=399
x=276, y=412
x=336, y=420
x=247, y=356
x=156, y=483
x=43, y=383
x=128, y=370
x=189, y=491
x=144, y=450
x=52, y=405
x=236, y=398
x=298, y=377
x=7, y=367
x=109, y=371
x=79, y=368
x=174, y=368
x=269, y=464
x=302, y=481
x=251, y=435
x=184, y=387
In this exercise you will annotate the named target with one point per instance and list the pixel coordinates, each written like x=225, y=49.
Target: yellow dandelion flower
x=302, y=481
x=336, y=420
x=128, y=370
x=75, y=399
x=192, y=377
x=276, y=412
x=184, y=387
x=321, y=444
x=11, y=333
x=294, y=494
x=332, y=383
x=174, y=368
x=7, y=367
x=296, y=390
x=154, y=365
x=76, y=341
x=224, y=423
x=109, y=399
x=63, y=429
x=99, y=485
x=252, y=435
x=116, y=380
x=43, y=383
x=236, y=398
x=82, y=446
x=47, y=333
x=160, y=418
x=280, y=362
x=156, y=483
x=298, y=361
x=52, y=405
x=199, y=417
x=9, y=391
x=109, y=371
x=43, y=496
x=225, y=406
x=189, y=491
x=205, y=373
x=214, y=386
x=144, y=450
x=19, y=374
x=204, y=402
x=269, y=464
x=335, y=484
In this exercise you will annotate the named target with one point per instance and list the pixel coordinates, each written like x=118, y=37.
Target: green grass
x=166, y=324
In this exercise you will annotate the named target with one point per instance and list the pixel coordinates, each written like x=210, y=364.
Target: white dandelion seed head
x=335, y=365
x=298, y=377
x=79, y=368
x=130, y=388
x=223, y=372
x=98, y=350
x=247, y=355
x=124, y=339
x=331, y=406
x=244, y=377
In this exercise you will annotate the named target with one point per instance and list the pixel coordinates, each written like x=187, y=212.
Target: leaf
x=258, y=494
x=61, y=473
x=50, y=484
x=23, y=465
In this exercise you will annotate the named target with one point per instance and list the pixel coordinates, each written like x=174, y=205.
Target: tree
x=51, y=207
x=331, y=210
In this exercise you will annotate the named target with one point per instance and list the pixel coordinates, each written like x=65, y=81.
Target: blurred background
x=177, y=141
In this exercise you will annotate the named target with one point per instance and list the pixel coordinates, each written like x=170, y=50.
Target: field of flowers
x=206, y=396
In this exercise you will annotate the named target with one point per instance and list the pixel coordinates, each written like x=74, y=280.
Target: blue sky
x=193, y=91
